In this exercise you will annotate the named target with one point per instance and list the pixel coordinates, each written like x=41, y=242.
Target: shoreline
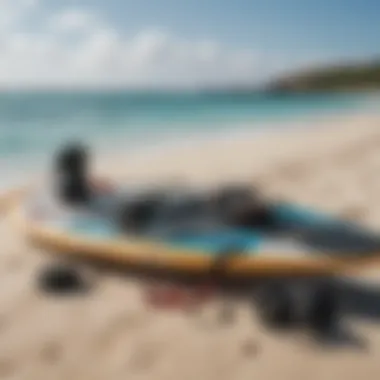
x=139, y=148
x=177, y=160
x=244, y=129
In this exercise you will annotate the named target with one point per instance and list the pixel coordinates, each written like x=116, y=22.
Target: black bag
x=71, y=173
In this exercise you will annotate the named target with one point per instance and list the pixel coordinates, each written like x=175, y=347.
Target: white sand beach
x=111, y=333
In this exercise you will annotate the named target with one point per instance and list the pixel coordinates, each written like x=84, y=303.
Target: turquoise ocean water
x=35, y=125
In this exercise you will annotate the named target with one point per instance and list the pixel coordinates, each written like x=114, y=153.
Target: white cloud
x=13, y=12
x=73, y=20
x=98, y=55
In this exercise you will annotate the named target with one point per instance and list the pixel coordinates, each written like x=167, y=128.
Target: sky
x=178, y=43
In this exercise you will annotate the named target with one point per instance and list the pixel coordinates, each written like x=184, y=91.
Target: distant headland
x=348, y=77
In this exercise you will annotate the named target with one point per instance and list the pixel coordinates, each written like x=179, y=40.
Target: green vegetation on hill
x=338, y=78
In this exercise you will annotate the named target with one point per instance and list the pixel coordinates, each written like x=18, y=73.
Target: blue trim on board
x=287, y=215
x=216, y=242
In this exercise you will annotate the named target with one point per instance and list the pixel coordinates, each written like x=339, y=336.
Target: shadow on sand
x=356, y=300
